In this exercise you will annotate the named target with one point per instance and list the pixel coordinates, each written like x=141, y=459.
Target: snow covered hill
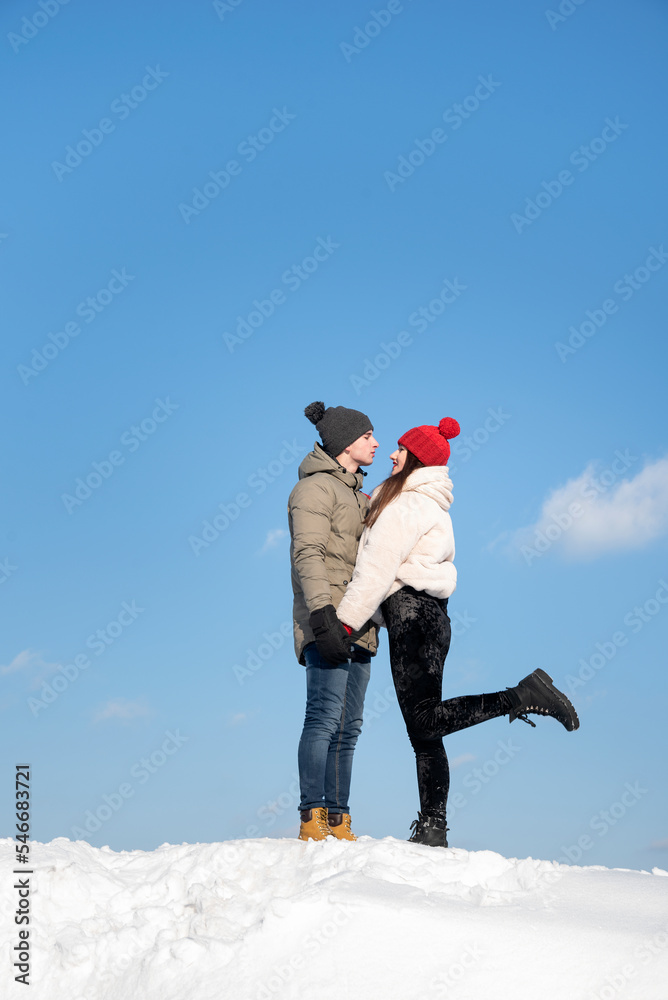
x=377, y=919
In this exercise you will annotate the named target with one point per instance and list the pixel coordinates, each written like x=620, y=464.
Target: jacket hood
x=432, y=481
x=319, y=461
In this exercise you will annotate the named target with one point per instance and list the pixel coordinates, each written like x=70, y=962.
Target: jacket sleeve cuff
x=354, y=616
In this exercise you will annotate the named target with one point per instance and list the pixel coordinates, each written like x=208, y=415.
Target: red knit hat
x=430, y=444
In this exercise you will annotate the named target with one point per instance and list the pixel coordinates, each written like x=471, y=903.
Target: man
x=326, y=510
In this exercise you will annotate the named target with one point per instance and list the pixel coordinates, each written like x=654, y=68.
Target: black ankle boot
x=537, y=694
x=429, y=830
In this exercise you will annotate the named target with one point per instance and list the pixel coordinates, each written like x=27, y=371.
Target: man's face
x=363, y=449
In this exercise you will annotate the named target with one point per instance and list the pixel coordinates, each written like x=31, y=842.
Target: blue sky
x=215, y=214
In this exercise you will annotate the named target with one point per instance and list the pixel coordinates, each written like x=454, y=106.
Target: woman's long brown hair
x=391, y=488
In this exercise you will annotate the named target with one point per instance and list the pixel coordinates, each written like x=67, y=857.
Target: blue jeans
x=333, y=721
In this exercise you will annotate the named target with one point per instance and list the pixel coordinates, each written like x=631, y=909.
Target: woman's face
x=398, y=459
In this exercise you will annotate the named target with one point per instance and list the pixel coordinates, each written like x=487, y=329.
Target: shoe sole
x=561, y=698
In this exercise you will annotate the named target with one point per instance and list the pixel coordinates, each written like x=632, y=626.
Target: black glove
x=331, y=638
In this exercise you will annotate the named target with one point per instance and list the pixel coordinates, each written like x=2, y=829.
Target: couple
x=359, y=563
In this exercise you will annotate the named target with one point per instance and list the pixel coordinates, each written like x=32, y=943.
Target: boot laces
x=415, y=828
x=321, y=821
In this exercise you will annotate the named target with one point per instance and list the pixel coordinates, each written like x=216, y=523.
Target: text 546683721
x=21, y=949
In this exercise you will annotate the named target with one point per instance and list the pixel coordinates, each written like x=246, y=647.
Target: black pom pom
x=315, y=412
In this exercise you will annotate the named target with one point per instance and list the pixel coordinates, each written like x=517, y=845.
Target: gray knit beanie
x=337, y=425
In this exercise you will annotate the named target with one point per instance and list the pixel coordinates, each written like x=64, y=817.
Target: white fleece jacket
x=411, y=544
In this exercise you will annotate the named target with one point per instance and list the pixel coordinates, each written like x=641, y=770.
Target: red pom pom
x=448, y=428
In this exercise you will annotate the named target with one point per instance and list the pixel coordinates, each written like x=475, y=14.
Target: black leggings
x=419, y=631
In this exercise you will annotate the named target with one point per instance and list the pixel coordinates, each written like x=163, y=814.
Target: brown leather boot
x=339, y=824
x=314, y=825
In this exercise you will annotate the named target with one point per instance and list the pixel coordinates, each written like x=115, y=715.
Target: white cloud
x=599, y=512
x=463, y=758
x=120, y=708
x=32, y=661
x=24, y=659
x=659, y=845
x=273, y=538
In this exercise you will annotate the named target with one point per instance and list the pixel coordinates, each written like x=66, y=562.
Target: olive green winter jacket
x=326, y=510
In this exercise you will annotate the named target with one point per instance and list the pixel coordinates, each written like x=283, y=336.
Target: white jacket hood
x=433, y=481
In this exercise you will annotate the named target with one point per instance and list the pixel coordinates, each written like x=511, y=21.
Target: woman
x=403, y=578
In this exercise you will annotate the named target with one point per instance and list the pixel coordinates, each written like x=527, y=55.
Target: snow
x=264, y=919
